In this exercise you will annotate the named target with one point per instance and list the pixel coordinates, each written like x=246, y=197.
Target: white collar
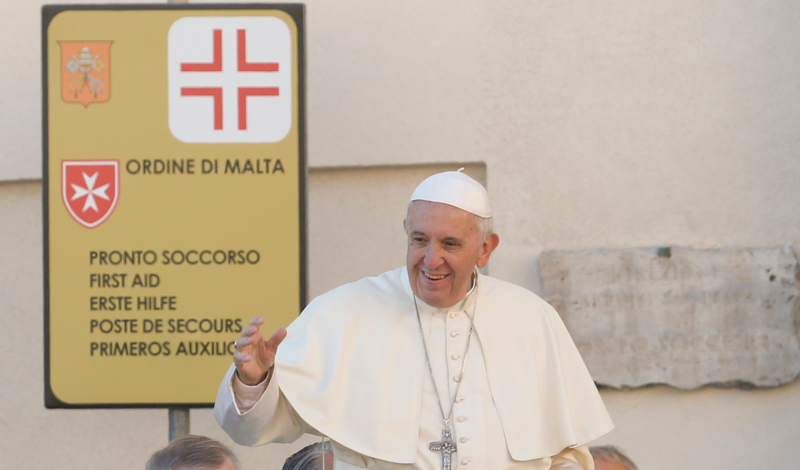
x=458, y=305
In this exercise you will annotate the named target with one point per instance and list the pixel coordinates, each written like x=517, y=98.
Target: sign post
x=173, y=195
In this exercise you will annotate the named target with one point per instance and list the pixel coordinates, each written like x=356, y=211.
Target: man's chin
x=433, y=295
x=434, y=300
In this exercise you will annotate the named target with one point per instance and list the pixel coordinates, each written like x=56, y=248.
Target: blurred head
x=311, y=457
x=193, y=453
x=611, y=458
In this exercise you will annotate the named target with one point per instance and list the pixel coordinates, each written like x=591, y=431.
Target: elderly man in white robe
x=433, y=366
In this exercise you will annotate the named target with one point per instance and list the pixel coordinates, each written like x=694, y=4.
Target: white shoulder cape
x=352, y=367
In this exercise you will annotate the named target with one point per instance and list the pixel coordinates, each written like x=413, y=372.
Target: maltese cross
x=90, y=192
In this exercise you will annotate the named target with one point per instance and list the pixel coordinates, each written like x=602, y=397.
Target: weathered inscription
x=680, y=316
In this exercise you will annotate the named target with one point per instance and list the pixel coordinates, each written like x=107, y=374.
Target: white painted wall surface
x=599, y=124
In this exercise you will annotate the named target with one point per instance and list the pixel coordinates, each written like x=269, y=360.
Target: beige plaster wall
x=595, y=124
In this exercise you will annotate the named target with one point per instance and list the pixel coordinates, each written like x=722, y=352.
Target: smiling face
x=444, y=246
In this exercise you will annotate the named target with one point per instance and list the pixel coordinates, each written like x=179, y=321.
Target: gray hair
x=612, y=454
x=192, y=452
x=309, y=457
x=485, y=225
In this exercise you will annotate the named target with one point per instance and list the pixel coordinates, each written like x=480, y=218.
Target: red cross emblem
x=230, y=79
x=90, y=189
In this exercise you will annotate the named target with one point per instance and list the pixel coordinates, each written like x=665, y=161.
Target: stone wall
x=680, y=316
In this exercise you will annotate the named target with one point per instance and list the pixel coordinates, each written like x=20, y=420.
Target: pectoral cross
x=446, y=446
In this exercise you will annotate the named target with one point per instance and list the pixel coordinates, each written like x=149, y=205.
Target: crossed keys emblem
x=446, y=446
x=85, y=71
x=84, y=63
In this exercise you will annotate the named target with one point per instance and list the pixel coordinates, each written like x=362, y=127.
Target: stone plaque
x=680, y=316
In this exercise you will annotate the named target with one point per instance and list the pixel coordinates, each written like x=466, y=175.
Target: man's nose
x=433, y=258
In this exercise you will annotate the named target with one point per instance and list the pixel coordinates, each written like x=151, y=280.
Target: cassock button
x=456, y=357
x=456, y=378
x=463, y=440
x=461, y=419
x=465, y=461
x=454, y=334
x=453, y=314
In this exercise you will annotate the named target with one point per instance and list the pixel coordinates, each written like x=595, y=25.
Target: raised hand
x=254, y=356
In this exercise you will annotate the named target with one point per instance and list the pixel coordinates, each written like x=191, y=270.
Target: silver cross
x=446, y=446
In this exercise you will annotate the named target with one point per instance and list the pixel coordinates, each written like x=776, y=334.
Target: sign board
x=174, y=194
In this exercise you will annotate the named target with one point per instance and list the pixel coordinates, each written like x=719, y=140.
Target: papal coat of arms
x=90, y=189
x=85, y=71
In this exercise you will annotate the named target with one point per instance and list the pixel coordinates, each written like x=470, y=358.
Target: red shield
x=90, y=189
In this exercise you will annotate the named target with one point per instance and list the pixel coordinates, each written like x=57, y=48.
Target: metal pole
x=178, y=417
x=178, y=423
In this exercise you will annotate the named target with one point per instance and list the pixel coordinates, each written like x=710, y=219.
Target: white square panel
x=230, y=79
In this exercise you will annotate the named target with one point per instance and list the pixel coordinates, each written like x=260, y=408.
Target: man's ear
x=488, y=247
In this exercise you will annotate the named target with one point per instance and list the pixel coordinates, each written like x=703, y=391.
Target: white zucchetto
x=456, y=189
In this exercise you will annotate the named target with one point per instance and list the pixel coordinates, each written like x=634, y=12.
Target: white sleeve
x=256, y=415
x=246, y=396
x=573, y=458
x=562, y=464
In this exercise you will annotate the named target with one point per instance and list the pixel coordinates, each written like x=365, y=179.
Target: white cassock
x=353, y=368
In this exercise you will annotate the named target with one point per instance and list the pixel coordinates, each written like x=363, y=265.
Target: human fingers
x=240, y=357
x=253, y=362
x=250, y=334
x=253, y=327
x=275, y=340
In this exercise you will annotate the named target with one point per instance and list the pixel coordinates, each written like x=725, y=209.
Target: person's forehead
x=440, y=220
x=601, y=464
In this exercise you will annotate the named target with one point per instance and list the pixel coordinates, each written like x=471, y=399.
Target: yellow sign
x=174, y=195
